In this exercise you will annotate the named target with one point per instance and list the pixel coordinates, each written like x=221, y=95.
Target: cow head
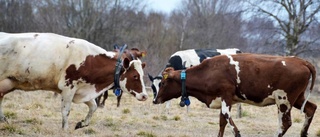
x=155, y=84
x=170, y=86
x=131, y=79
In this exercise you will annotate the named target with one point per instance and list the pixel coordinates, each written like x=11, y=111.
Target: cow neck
x=117, y=90
x=184, y=96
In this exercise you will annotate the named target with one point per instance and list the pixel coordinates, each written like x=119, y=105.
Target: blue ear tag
x=117, y=92
x=183, y=75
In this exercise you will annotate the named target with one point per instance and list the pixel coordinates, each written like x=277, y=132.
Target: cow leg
x=105, y=97
x=92, y=108
x=225, y=118
x=118, y=99
x=98, y=100
x=67, y=96
x=222, y=124
x=2, y=116
x=284, y=113
x=309, y=111
x=6, y=86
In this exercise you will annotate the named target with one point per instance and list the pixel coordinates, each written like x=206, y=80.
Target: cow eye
x=135, y=77
x=161, y=84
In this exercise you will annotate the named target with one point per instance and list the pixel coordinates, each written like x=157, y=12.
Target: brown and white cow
x=132, y=54
x=78, y=70
x=259, y=80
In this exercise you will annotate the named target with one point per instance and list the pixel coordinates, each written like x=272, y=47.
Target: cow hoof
x=80, y=125
x=304, y=134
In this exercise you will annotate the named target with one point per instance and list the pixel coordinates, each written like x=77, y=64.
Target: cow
x=187, y=58
x=255, y=79
x=77, y=69
x=131, y=54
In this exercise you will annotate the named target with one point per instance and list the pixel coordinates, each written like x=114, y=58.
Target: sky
x=165, y=6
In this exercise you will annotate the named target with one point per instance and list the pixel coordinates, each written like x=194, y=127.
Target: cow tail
x=313, y=75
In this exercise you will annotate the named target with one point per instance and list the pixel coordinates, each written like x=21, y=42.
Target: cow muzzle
x=156, y=101
x=141, y=97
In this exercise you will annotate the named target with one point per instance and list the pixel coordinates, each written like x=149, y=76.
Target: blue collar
x=117, y=90
x=184, y=97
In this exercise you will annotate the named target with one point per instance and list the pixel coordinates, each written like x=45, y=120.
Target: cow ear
x=143, y=53
x=143, y=65
x=126, y=62
x=168, y=73
x=150, y=77
x=116, y=47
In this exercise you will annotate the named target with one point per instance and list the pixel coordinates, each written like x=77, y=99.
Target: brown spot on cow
x=283, y=108
x=90, y=70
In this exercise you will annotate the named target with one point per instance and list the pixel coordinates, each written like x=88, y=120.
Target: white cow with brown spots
x=78, y=70
x=254, y=79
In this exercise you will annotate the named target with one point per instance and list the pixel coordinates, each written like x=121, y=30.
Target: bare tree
x=210, y=24
x=16, y=16
x=293, y=18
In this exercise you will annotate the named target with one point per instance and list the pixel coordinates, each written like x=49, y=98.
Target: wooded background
x=276, y=27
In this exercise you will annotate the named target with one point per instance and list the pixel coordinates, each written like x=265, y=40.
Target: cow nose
x=144, y=97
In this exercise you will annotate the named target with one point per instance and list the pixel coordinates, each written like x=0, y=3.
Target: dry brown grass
x=38, y=114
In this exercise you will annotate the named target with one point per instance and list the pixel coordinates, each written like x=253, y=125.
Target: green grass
x=164, y=118
x=33, y=121
x=126, y=111
x=11, y=129
x=176, y=118
x=111, y=124
x=145, y=134
x=297, y=120
x=244, y=114
x=10, y=115
x=89, y=131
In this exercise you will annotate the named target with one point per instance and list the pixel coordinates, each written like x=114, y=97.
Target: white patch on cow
x=269, y=86
x=305, y=122
x=137, y=65
x=224, y=108
x=236, y=63
x=156, y=83
x=228, y=51
x=271, y=99
x=215, y=103
x=281, y=98
x=190, y=57
x=224, y=111
x=280, y=128
x=283, y=63
x=88, y=92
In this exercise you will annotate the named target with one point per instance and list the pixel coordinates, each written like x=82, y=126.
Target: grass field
x=38, y=114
